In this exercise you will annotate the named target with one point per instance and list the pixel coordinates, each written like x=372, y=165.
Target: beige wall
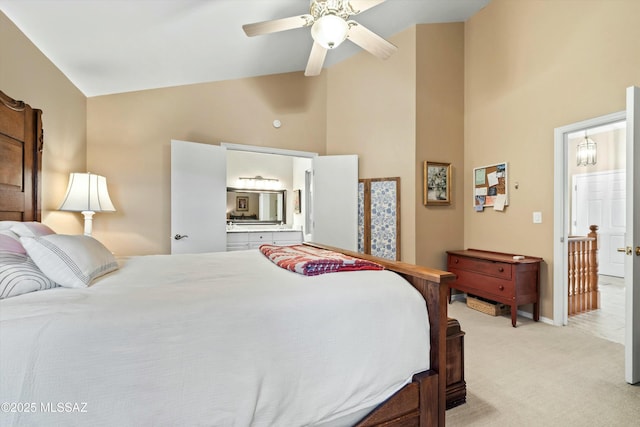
x=27, y=75
x=396, y=114
x=440, y=137
x=129, y=138
x=532, y=66
x=371, y=112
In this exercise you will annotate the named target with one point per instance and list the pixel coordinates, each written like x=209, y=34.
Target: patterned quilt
x=313, y=261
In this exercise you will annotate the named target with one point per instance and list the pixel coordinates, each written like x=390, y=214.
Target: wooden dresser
x=498, y=277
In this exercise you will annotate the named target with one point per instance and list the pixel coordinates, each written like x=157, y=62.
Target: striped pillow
x=19, y=275
x=72, y=261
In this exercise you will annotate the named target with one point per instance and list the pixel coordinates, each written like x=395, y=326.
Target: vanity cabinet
x=242, y=240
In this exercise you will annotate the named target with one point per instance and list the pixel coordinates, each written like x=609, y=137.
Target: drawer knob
x=500, y=269
x=456, y=261
x=501, y=287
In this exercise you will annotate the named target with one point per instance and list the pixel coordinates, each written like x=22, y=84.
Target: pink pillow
x=9, y=243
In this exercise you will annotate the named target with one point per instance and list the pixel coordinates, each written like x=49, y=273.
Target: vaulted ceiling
x=114, y=46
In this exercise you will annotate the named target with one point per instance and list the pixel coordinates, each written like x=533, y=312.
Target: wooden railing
x=583, y=272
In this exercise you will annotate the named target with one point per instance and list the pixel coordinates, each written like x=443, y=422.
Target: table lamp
x=87, y=193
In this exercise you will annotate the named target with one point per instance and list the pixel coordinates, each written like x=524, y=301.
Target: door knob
x=180, y=236
x=626, y=250
x=637, y=250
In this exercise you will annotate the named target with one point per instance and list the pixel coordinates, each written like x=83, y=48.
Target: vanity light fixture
x=87, y=193
x=587, y=151
x=258, y=182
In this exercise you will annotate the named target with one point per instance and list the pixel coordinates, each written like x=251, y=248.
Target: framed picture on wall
x=242, y=203
x=296, y=201
x=437, y=183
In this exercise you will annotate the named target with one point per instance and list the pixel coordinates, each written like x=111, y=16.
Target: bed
x=160, y=340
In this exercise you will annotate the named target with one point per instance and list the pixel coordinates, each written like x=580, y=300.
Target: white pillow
x=72, y=261
x=19, y=275
x=31, y=229
x=6, y=225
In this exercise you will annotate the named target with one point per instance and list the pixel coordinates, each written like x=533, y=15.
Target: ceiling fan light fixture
x=329, y=31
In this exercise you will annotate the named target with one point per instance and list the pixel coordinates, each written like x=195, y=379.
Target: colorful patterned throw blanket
x=313, y=261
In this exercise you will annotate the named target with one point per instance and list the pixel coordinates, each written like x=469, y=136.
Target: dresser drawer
x=487, y=286
x=261, y=238
x=235, y=237
x=490, y=268
x=287, y=237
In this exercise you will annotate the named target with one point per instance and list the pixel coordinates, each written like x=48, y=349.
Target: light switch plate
x=537, y=217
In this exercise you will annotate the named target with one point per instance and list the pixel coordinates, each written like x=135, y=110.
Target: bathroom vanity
x=240, y=239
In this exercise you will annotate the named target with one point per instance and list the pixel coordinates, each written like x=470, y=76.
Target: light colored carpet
x=540, y=375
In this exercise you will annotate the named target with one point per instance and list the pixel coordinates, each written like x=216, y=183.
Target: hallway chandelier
x=587, y=152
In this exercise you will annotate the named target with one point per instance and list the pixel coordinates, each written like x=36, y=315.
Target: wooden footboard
x=413, y=405
x=423, y=401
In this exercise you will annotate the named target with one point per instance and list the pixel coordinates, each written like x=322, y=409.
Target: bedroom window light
x=87, y=193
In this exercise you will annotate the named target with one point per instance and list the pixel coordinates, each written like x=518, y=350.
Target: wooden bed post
x=436, y=296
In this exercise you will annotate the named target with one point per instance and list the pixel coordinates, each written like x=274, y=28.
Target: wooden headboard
x=21, y=144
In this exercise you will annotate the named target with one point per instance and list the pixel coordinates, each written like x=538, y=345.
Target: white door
x=632, y=240
x=198, y=197
x=335, y=201
x=599, y=199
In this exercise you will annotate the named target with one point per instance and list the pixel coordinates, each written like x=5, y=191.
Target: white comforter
x=225, y=339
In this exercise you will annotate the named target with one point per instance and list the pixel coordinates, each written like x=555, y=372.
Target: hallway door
x=632, y=240
x=599, y=198
x=631, y=247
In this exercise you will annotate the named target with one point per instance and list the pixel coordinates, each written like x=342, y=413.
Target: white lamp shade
x=329, y=31
x=87, y=192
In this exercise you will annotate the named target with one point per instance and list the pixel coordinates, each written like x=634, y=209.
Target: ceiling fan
x=330, y=26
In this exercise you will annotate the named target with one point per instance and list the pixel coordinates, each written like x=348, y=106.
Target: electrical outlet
x=537, y=217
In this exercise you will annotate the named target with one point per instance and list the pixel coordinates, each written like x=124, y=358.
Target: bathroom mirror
x=256, y=206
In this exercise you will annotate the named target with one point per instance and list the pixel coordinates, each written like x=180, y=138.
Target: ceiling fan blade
x=316, y=59
x=360, y=6
x=276, y=25
x=370, y=41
